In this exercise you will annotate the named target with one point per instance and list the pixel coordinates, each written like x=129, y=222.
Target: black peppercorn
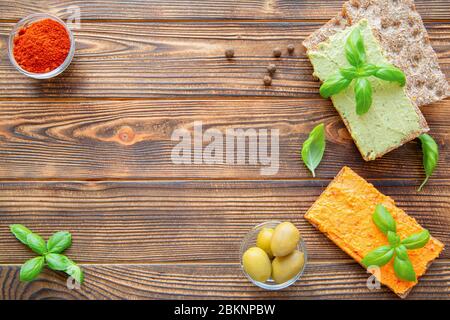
x=277, y=52
x=291, y=48
x=271, y=68
x=267, y=80
x=229, y=53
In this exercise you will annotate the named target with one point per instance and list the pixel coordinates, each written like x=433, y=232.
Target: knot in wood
x=126, y=135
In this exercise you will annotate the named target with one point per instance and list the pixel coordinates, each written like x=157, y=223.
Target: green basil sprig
x=359, y=71
x=49, y=253
x=313, y=148
x=397, y=249
x=430, y=152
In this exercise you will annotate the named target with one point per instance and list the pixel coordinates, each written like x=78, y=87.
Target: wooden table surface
x=89, y=151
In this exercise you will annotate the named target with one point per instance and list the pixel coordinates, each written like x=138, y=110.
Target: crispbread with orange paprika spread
x=344, y=213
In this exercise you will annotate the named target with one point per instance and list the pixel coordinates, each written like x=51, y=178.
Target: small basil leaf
x=363, y=94
x=36, y=243
x=403, y=267
x=334, y=85
x=392, y=74
x=430, y=152
x=31, y=268
x=417, y=240
x=383, y=220
x=59, y=242
x=313, y=148
x=20, y=232
x=75, y=272
x=401, y=252
x=393, y=238
x=378, y=257
x=354, y=48
x=349, y=73
x=57, y=261
x=368, y=70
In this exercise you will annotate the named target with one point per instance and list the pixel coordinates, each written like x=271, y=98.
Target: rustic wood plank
x=183, y=60
x=196, y=10
x=153, y=222
x=324, y=280
x=132, y=139
x=136, y=222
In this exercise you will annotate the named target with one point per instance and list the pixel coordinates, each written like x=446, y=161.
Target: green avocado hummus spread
x=392, y=119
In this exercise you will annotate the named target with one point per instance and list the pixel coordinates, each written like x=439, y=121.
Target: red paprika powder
x=42, y=46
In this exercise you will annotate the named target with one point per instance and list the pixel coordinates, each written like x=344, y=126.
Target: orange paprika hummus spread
x=344, y=213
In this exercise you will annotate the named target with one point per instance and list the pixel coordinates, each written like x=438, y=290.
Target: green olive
x=285, y=239
x=287, y=267
x=264, y=239
x=257, y=264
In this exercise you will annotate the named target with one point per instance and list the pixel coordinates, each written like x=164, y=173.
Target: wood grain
x=198, y=10
x=327, y=280
x=133, y=139
x=166, y=60
x=143, y=69
x=142, y=222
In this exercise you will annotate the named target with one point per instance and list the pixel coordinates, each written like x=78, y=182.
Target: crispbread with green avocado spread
x=393, y=118
x=404, y=39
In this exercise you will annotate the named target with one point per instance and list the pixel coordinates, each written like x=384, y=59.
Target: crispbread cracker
x=404, y=39
x=372, y=138
x=344, y=211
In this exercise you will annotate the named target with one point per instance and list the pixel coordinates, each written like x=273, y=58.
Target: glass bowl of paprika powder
x=41, y=46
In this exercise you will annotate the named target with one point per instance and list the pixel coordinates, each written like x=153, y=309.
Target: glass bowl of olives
x=273, y=255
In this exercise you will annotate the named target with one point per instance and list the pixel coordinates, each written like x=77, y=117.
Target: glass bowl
x=27, y=21
x=250, y=241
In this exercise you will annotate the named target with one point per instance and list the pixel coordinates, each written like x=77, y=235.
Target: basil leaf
x=402, y=252
x=402, y=265
x=430, y=152
x=349, y=73
x=378, y=257
x=383, y=220
x=363, y=94
x=57, y=261
x=20, y=232
x=31, y=268
x=36, y=243
x=59, y=242
x=313, y=148
x=393, y=238
x=368, y=70
x=334, y=85
x=354, y=48
x=417, y=240
x=392, y=74
x=75, y=272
